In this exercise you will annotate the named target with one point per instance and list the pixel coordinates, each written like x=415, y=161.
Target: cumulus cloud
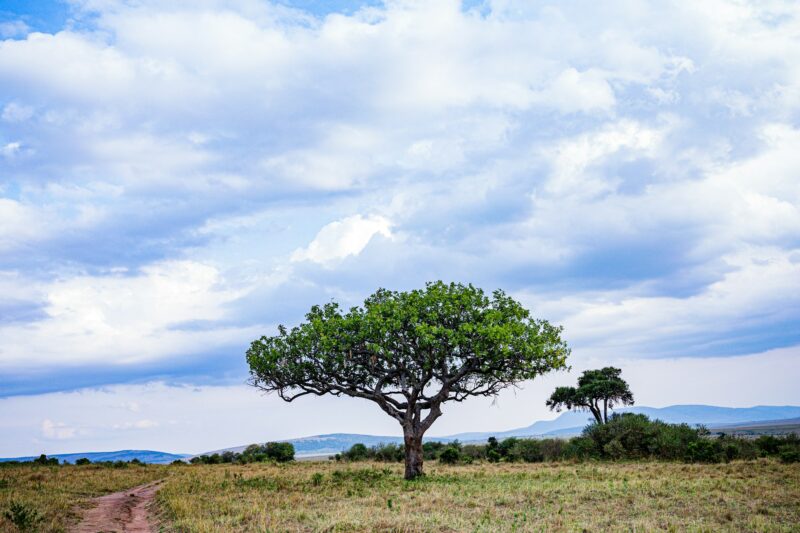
x=343, y=238
x=125, y=320
x=177, y=178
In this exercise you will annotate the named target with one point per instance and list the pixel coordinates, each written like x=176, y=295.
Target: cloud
x=125, y=320
x=57, y=430
x=138, y=424
x=241, y=415
x=343, y=238
x=13, y=28
x=177, y=178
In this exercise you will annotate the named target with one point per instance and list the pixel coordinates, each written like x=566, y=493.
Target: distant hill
x=145, y=456
x=571, y=423
x=745, y=420
x=568, y=424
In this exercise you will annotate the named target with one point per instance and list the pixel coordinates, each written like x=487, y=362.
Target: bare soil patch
x=124, y=511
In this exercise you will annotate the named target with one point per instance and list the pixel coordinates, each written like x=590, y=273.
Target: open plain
x=759, y=495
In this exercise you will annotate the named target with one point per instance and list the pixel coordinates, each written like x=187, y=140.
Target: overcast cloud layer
x=177, y=178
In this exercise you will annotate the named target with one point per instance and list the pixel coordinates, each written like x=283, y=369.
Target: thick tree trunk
x=413, y=448
x=605, y=410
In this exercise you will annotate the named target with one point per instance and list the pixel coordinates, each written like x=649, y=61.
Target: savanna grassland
x=53, y=495
x=759, y=495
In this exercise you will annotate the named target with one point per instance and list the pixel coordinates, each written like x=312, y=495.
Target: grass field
x=55, y=493
x=762, y=495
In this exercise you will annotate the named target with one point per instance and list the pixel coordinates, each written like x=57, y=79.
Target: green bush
x=526, y=450
x=25, y=517
x=552, y=449
x=705, y=451
x=389, y=453
x=789, y=453
x=357, y=452
x=450, y=455
x=44, y=460
x=83, y=461
x=281, y=452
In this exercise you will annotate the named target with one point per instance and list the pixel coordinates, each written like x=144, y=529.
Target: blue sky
x=177, y=178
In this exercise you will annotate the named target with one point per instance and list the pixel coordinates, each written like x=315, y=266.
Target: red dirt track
x=124, y=511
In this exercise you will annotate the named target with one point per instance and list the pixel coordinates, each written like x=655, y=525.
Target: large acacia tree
x=409, y=352
x=597, y=391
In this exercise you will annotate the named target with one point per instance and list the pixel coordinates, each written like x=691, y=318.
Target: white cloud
x=14, y=112
x=13, y=28
x=125, y=320
x=628, y=169
x=57, y=430
x=241, y=415
x=138, y=424
x=343, y=238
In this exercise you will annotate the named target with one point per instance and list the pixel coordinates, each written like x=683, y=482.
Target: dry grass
x=761, y=495
x=57, y=492
x=743, y=496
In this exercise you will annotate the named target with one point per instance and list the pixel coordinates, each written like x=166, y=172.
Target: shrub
x=83, y=461
x=281, y=452
x=552, y=449
x=357, y=452
x=431, y=450
x=390, y=453
x=25, y=517
x=473, y=451
x=527, y=450
x=44, y=460
x=705, y=451
x=789, y=453
x=450, y=455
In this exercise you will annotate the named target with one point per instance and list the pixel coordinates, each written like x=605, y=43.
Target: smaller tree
x=597, y=391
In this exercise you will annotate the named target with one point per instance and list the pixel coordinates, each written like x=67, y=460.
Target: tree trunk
x=413, y=448
x=605, y=410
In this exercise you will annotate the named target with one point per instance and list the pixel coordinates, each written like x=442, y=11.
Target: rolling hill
x=568, y=424
x=743, y=419
x=145, y=456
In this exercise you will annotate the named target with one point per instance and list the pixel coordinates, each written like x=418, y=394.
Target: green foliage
x=280, y=452
x=409, y=352
x=450, y=455
x=44, y=460
x=399, y=340
x=789, y=454
x=597, y=391
x=526, y=450
x=83, y=461
x=25, y=517
x=357, y=452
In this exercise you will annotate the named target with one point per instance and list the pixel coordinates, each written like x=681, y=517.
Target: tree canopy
x=597, y=391
x=409, y=352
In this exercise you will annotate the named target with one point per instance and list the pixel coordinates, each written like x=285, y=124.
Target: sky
x=178, y=178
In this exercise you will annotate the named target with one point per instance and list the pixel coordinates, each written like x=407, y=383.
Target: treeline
x=625, y=436
x=43, y=460
x=281, y=452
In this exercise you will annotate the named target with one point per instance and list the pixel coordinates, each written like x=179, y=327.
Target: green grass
x=757, y=496
x=762, y=495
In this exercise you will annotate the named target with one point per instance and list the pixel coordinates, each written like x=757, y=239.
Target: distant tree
x=83, y=461
x=409, y=352
x=597, y=391
x=44, y=460
x=281, y=452
x=357, y=452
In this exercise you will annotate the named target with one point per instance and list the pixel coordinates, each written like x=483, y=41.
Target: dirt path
x=121, y=511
